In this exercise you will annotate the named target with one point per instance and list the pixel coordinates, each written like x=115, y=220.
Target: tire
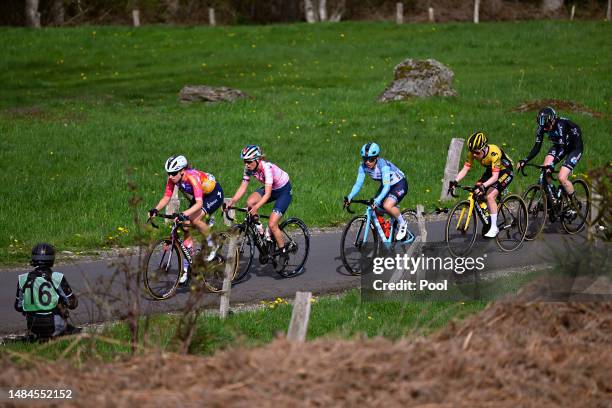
x=164, y=266
x=537, y=210
x=573, y=220
x=460, y=237
x=215, y=270
x=357, y=256
x=512, y=221
x=297, y=242
x=246, y=253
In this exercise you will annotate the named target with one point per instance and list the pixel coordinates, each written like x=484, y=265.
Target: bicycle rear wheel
x=461, y=227
x=537, y=208
x=574, y=219
x=413, y=224
x=215, y=270
x=357, y=255
x=164, y=265
x=297, y=242
x=512, y=223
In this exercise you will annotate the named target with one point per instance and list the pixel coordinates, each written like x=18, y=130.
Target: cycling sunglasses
x=369, y=159
x=249, y=161
x=174, y=173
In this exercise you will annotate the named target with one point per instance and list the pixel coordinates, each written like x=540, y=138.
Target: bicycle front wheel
x=535, y=201
x=226, y=261
x=512, y=223
x=357, y=254
x=461, y=228
x=164, y=265
x=574, y=217
x=246, y=252
x=297, y=243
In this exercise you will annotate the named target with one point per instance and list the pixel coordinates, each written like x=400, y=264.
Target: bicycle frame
x=473, y=208
x=372, y=219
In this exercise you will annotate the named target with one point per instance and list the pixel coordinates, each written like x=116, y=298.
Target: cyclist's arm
x=492, y=180
x=466, y=167
x=67, y=294
x=198, y=195
x=537, y=146
x=167, y=195
x=386, y=182
x=239, y=193
x=358, y=183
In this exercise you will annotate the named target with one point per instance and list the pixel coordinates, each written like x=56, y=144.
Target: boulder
x=203, y=93
x=420, y=78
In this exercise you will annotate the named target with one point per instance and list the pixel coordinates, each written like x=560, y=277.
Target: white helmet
x=176, y=163
x=251, y=152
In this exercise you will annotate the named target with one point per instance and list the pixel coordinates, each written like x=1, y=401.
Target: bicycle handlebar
x=347, y=207
x=538, y=166
x=166, y=216
x=226, y=210
x=466, y=188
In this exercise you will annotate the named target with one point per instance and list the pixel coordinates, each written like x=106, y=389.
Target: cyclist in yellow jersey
x=497, y=176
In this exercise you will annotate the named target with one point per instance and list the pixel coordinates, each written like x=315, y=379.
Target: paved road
x=324, y=273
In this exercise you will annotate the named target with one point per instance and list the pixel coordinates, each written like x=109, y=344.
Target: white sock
x=209, y=241
x=401, y=220
x=494, y=219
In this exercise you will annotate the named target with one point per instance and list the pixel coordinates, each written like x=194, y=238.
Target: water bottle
x=267, y=235
x=484, y=207
x=387, y=228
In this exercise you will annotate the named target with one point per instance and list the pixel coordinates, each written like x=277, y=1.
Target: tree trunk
x=57, y=12
x=32, y=14
x=172, y=6
x=338, y=12
x=322, y=10
x=552, y=5
x=311, y=17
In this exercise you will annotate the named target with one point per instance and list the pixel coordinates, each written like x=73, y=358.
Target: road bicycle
x=545, y=199
x=165, y=263
x=288, y=264
x=363, y=235
x=462, y=222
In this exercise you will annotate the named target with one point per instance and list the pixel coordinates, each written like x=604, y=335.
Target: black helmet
x=43, y=254
x=546, y=117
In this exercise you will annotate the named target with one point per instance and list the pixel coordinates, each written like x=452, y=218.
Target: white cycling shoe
x=493, y=231
x=211, y=255
x=401, y=232
x=185, y=274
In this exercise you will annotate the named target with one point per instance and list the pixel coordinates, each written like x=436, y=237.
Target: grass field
x=345, y=317
x=86, y=110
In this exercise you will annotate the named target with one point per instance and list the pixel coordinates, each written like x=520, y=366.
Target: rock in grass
x=203, y=93
x=420, y=78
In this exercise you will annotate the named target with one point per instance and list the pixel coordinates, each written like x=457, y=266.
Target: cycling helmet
x=546, y=117
x=43, y=254
x=477, y=141
x=370, y=149
x=251, y=152
x=176, y=163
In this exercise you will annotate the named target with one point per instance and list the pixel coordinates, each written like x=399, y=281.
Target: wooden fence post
x=230, y=213
x=298, y=327
x=430, y=13
x=609, y=11
x=136, y=17
x=452, y=165
x=476, y=11
x=32, y=13
x=399, y=13
x=212, y=21
x=592, y=221
x=311, y=17
x=230, y=264
x=322, y=10
x=572, y=12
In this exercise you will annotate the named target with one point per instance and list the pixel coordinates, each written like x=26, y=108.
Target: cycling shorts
x=281, y=196
x=397, y=191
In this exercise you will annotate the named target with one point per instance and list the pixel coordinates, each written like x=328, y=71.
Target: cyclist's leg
x=391, y=204
x=255, y=197
x=505, y=178
x=210, y=203
x=567, y=168
x=282, y=199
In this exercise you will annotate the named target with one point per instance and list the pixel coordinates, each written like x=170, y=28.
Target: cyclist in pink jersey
x=276, y=188
x=205, y=196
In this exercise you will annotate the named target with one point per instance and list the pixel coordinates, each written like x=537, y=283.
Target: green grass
x=86, y=110
x=345, y=317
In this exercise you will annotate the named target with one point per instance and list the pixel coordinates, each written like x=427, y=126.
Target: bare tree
x=172, y=7
x=309, y=9
x=322, y=10
x=57, y=12
x=338, y=11
x=32, y=13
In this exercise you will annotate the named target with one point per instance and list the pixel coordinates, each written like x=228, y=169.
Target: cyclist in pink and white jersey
x=276, y=188
x=205, y=196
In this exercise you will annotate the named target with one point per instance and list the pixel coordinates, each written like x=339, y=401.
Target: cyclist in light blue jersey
x=393, y=184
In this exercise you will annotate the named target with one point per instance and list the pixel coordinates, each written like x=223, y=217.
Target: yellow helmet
x=477, y=141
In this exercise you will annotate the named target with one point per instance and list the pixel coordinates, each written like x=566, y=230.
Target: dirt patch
x=534, y=106
x=511, y=354
x=26, y=112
